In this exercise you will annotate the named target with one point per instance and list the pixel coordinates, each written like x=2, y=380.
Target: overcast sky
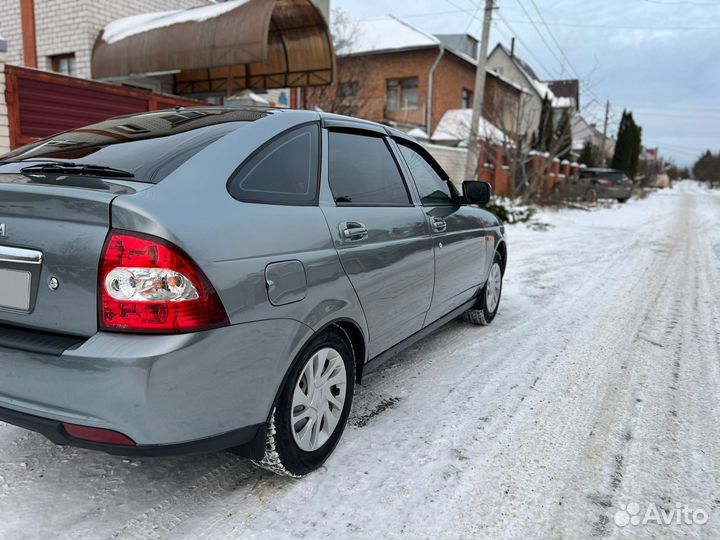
x=658, y=58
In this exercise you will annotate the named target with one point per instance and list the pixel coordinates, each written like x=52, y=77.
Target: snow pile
x=508, y=211
x=137, y=24
x=419, y=134
x=247, y=98
x=454, y=126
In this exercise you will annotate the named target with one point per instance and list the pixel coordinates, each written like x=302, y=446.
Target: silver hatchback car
x=197, y=280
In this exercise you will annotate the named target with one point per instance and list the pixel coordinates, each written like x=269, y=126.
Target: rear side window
x=362, y=171
x=432, y=188
x=283, y=172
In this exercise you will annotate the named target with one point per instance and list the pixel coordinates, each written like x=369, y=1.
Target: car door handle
x=352, y=231
x=438, y=224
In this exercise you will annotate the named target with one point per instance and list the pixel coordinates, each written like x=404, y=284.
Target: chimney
x=27, y=18
x=512, y=46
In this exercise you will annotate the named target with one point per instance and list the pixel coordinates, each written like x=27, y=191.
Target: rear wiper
x=54, y=167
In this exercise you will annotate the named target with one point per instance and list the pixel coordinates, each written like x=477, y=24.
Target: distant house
x=390, y=71
x=454, y=129
x=563, y=94
x=583, y=132
x=566, y=92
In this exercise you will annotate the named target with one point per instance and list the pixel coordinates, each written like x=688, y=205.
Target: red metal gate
x=41, y=104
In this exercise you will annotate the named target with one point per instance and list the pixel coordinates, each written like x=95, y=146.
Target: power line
x=567, y=24
x=673, y=149
x=562, y=52
x=682, y=3
x=542, y=37
x=527, y=48
x=670, y=115
x=698, y=110
x=587, y=84
x=680, y=146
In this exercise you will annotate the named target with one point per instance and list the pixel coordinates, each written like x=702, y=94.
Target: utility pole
x=604, y=139
x=473, y=153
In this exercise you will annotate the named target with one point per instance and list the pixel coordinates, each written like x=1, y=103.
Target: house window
x=467, y=99
x=64, y=63
x=402, y=94
x=507, y=104
x=348, y=89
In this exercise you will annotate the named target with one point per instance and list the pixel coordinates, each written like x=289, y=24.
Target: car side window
x=284, y=172
x=432, y=188
x=362, y=171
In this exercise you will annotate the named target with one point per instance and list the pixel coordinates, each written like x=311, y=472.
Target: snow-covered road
x=596, y=386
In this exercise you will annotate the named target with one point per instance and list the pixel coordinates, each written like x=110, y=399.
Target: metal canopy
x=222, y=48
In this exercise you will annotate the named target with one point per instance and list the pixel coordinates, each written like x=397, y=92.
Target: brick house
x=387, y=69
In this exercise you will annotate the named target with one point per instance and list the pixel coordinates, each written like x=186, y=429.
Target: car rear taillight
x=146, y=284
x=97, y=435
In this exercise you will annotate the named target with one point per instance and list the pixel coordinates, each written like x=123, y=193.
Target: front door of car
x=382, y=238
x=458, y=233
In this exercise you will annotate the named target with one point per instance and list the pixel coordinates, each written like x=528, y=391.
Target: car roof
x=328, y=119
x=602, y=170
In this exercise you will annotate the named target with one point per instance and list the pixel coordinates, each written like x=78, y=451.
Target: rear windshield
x=150, y=145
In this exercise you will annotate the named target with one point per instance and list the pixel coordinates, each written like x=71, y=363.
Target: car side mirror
x=476, y=192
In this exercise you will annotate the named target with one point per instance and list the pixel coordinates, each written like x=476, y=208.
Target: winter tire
x=623, y=200
x=489, y=300
x=313, y=407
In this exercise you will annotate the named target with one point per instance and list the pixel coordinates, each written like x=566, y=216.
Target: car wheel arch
x=501, y=249
x=356, y=339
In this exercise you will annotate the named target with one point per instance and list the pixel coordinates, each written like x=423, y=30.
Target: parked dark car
x=201, y=279
x=604, y=184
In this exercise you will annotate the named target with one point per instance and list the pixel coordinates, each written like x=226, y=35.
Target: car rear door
x=380, y=234
x=458, y=232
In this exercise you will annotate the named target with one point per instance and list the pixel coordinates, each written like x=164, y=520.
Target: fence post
x=554, y=175
x=4, y=124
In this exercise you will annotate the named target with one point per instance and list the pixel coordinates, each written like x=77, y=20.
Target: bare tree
x=517, y=152
x=345, y=95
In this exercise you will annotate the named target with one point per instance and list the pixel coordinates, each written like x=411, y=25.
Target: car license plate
x=14, y=289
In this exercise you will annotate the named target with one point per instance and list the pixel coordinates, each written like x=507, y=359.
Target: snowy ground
x=597, y=385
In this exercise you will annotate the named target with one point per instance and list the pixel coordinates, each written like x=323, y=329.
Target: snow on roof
x=386, y=34
x=136, y=24
x=541, y=88
x=508, y=81
x=455, y=126
x=563, y=102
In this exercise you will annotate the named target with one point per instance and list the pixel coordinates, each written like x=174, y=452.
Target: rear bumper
x=248, y=441
x=614, y=192
x=170, y=394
